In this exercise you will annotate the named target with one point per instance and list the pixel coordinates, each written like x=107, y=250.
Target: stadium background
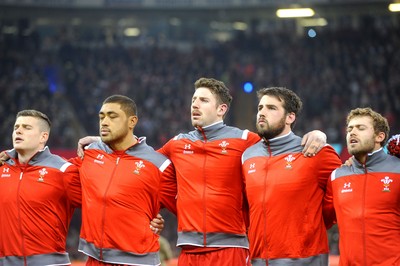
x=64, y=57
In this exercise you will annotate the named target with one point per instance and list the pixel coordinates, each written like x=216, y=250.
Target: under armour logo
x=6, y=170
x=100, y=156
x=187, y=146
x=347, y=185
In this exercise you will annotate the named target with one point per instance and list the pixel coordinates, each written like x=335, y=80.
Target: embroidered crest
x=139, y=166
x=42, y=173
x=289, y=159
x=386, y=183
x=223, y=145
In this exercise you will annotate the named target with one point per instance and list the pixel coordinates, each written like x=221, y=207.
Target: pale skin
x=361, y=138
x=29, y=136
x=205, y=110
x=271, y=116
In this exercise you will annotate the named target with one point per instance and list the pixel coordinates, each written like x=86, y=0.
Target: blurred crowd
x=337, y=70
x=341, y=68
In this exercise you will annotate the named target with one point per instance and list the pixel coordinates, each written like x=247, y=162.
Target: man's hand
x=157, y=224
x=83, y=142
x=313, y=142
x=349, y=161
x=3, y=157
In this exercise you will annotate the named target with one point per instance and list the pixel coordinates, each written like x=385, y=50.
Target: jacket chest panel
x=119, y=177
x=291, y=170
x=36, y=184
x=378, y=190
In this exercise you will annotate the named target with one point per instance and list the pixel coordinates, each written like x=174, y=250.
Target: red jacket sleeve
x=329, y=161
x=168, y=189
x=328, y=210
x=76, y=161
x=72, y=184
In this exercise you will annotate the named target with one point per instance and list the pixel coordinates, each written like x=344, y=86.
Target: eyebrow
x=22, y=124
x=107, y=113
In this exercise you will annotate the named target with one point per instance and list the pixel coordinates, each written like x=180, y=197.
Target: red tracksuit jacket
x=121, y=194
x=210, y=185
x=37, y=201
x=366, y=198
x=285, y=192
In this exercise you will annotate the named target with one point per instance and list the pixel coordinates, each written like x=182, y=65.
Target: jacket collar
x=280, y=141
x=140, y=142
x=372, y=158
x=208, y=132
x=39, y=156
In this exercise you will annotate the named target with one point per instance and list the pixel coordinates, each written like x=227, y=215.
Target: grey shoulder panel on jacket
x=277, y=146
x=50, y=160
x=147, y=153
x=255, y=150
x=390, y=164
x=140, y=150
x=42, y=158
x=227, y=132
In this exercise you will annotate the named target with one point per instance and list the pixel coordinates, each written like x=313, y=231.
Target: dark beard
x=269, y=132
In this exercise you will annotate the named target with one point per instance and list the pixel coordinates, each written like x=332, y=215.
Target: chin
x=196, y=124
x=105, y=139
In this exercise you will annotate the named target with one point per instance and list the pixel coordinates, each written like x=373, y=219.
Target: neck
x=128, y=142
x=362, y=158
x=25, y=155
x=210, y=125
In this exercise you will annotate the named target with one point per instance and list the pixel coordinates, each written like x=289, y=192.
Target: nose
x=260, y=113
x=18, y=130
x=195, y=104
x=104, y=121
x=352, y=131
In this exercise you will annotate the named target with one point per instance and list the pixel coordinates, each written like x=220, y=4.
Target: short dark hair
x=291, y=101
x=37, y=114
x=216, y=87
x=379, y=122
x=127, y=104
